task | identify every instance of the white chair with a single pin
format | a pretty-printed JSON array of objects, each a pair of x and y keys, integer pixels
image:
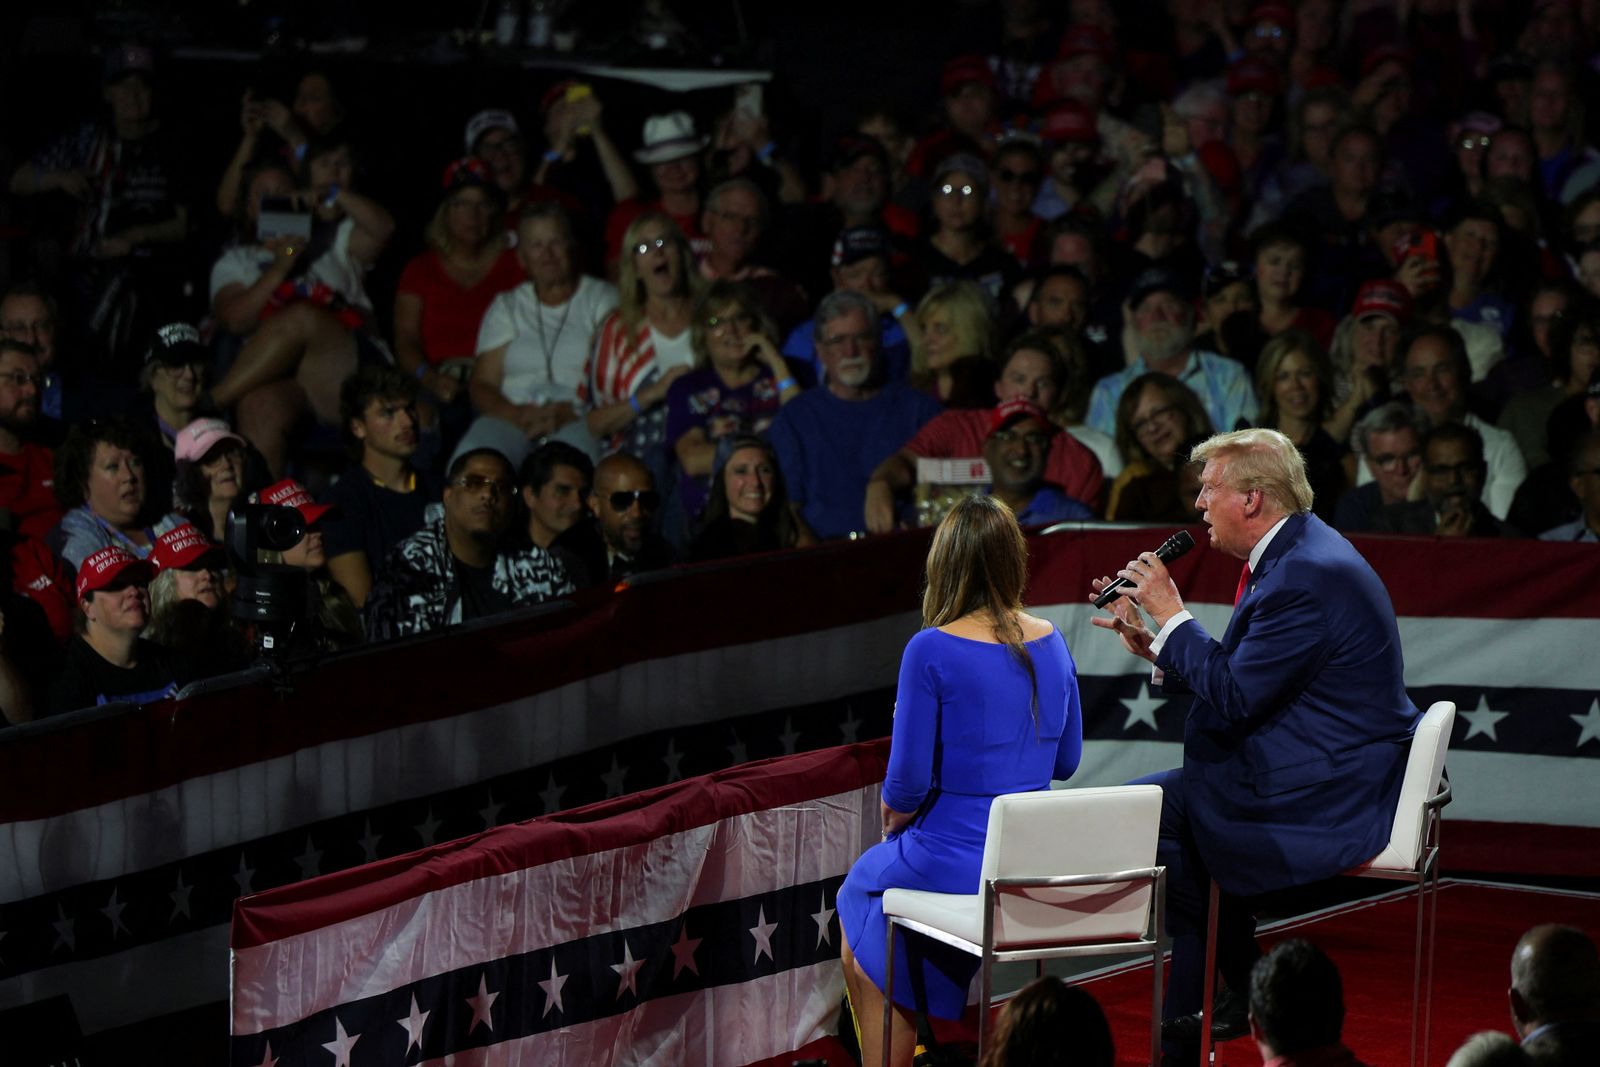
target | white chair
[
  {"x": 1065, "y": 872},
  {"x": 1412, "y": 855}
]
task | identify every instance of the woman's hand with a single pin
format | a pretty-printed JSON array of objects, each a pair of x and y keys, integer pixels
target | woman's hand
[
  {"x": 895, "y": 821},
  {"x": 1419, "y": 274},
  {"x": 443, "y": 386},
  {"x": 767, "y": 354}
]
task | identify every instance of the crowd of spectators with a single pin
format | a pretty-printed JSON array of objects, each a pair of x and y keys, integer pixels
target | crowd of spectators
[{"x": 1103, "y": 233}]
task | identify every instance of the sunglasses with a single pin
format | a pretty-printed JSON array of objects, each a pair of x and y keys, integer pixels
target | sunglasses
[{"x": 623, "y": 499}]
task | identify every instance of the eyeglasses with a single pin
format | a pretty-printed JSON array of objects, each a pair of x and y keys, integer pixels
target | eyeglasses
[
  {"x": 1268, "y": 32},
  {"x": 1388, "y": 461},
  {"x": 721, "y": 324},
  {"x": 1029, "y": 177},
  {"x": 644, "y": 248},
  {"x": 477, "y": 483},
  {"x": 623, "y": 499},
  {"x": 947, "y": 190},
  {"x": 1469, "y": 141},
  {"x": 19, "y": 378},
  {"x": 1150, "y": 421}
]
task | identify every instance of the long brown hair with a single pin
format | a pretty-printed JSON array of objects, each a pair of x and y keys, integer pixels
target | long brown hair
[{"x": 979, "y": 562}]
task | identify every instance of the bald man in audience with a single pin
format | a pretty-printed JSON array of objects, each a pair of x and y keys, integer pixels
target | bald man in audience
[{"x": 1555, "y": 996}]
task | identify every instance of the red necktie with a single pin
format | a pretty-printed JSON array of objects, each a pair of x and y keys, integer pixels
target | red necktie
[{"x": 1244, "y": 583}]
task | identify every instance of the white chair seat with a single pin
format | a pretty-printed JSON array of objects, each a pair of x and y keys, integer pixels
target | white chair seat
[{"x": 1046, "y": 891}]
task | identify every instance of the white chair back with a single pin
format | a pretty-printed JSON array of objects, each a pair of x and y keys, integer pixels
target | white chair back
[
  {"x": 1056, "y": 832},
  {"x": 1424, "y": 768}
]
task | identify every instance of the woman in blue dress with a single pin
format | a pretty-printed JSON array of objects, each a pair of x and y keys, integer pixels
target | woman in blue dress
[{"x": 987, "y": 704}]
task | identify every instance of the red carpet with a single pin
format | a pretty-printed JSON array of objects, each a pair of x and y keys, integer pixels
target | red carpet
[{"x": 1371, "y": 942}]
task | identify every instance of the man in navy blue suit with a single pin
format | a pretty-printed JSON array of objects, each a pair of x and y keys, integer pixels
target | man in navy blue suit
[{"x": 1296, "y": 743}]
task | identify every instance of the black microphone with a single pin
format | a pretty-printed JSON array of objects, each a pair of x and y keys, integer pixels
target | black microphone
[{"x": 1170, "y": 549}]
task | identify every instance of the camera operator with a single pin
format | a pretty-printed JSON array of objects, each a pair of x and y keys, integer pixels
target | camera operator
[
  {"x": 336, "y": 622},
  {"x": 108, "y": 661},
  {"x": 460, "y": 568}
]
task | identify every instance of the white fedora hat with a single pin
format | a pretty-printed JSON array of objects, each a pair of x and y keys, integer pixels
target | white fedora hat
[{"x": 669, "y": 136}]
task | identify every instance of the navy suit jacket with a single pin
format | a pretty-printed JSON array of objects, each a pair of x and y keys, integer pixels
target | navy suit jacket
[{"x": 1294, "y": 749}]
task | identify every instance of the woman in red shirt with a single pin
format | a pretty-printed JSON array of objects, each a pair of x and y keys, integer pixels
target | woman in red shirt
[{"x": 445, "y": 290}]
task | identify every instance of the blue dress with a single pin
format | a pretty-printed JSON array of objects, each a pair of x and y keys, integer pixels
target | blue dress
[{"x": 963, "y": 734}]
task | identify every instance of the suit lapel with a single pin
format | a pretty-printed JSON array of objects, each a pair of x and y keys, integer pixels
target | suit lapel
[{"x": 1238, "y": 623}]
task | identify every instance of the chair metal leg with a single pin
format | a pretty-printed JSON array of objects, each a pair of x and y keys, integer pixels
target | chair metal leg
[
  {"x": 1433, "y": 941},
  {"x": 888, "y": 994},
  {"x": 1208, "y": 1000},
  {"x": 1416, "y": 963},
  {"x": 1158, "y": 934}
]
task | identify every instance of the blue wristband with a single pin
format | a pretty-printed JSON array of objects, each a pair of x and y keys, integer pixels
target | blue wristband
[
  {"x": 422, "y": 368},
  {"x": 552, "y": 156},
  {"x": 787, "y": 383},
  {"x": 767, "y": 151},
  {"x": 633, "y": 402},
  {"x": 900, "y": 309}
]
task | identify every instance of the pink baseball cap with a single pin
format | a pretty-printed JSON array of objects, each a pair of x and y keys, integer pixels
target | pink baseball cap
[
  {"x": 291, "y": 494},
  {"x": 102, "y": 568},
  {"x": 200, "y": 436}
]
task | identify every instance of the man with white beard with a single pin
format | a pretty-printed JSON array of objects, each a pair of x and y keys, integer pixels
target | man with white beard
[
  {"x": 830, "y": 439},
  {"x": 1159, "y": 336}
]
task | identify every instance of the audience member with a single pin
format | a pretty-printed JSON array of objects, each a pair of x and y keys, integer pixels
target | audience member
[
  {"x": 831, "y": 439},
  {"x": 299, "y": 303},
  {"x": 645, "y": 345},
  {"x": 734, "y": 221},
  {"x": 1278, "y": 254},
  {"x": 1018, "y": 168},
  {"x": 445, "y": 290},
  {"x": 623, "y": 540},
  {"x": 1555, "y": 996},
  {"x": 1050, "y": 1024},
  {"x": 493, "y": 136},
  {"x": 458, "y": 568},
  {"x": 1031, "y": 372},
  {"x": 671, "y": 150},
  {"x": 213, "y": 470},
  {"x": 101, "y": 487},
  {"x": 1230, "y": 313},
  {"x": 1365, "y": 353},
  {"x": 860, "y": 262},
  {"x": 1161, "y": 313},
  {"x": 1294, "y": 381},
  {"x": 1297, "y": 1008},
  {"x": 27, "y": 504},
  {"x": 555, "y": 489},
  {"x": 1573, "y": 343},
  {"x": 1490, "y": 1048},
  {"x": 1388, "y": 440},
  {"x": 1585, "y": 481},
  {"x": 108, "y": 661},
  {"x": 1019, "y": 439},
  {"x": 176, "y": 365},
  {"x": 334, "y": 621},
  {"x": 960, "y": 246},
  {"x": 953, "y": 340},
  {"x": 28, "y": 316},
  {"x": 748, "y": 510},
  {"x": 382, "y": 498},
  {"x": 1453, "y": 472},
  {"x": 582, "y": 162},
  {"x": 534, "y": 340},
  {"x": 1158, "y": 417},
  {"x": 189, "y": 603},
  {"x": 1436, "y": 376}
]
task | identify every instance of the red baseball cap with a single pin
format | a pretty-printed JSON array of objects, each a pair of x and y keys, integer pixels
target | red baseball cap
[
  {"x": 963, "y": 70},
  {"x": 1382, "y": 296},
  {"x": 107, "y": 565},
  {"x": 181, "y": 547},
  {"x": 291, "y": 494},
  {"x": 1069, "y": 122},
  {"x": 1017, "y": 408},
  {"x": 1277, "y": 14},
  {"x": 1385, "y": 53}
]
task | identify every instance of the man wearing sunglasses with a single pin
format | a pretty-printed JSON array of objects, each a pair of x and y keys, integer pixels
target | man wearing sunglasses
[
  {"x": 461, "y": 567},
  {"x": 624, "y": 501}
]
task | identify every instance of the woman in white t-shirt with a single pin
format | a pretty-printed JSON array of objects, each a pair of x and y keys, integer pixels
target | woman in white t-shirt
[
  {"x": 300, "y": 303},
  {"x": 535, "y": 339}
]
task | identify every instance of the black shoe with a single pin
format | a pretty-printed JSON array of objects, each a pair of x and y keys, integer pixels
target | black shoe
[{"x": 1231, "y": 1020}]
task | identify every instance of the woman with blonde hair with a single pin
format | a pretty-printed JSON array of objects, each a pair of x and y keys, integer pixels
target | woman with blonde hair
[
  {"x": 953, "y": 346},
  {"x": 1294, "y": 382},
  {"x": 997, "y": 690}
]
